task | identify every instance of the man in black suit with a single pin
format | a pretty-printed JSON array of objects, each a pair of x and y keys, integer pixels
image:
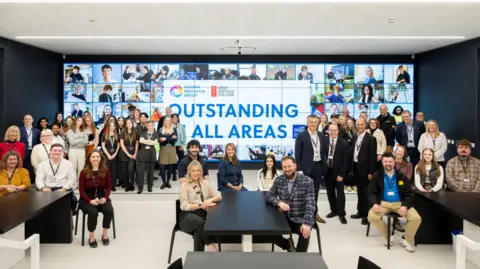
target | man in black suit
[
  {"x": 311, "y": 159},
  {"x": 387, "y": 125},
  {"x": 30, "y": 137},
  {"x": 338, "y": 161},
  {"x": 408, "y": 134},
  {"x": 77, "y": 112},
  {"x": 364, "y": 163}
]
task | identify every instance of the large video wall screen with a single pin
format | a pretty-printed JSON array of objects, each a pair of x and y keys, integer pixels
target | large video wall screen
[{"x": 259, "y": 107}]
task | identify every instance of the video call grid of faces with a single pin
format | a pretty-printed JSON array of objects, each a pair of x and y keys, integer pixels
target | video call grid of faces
[{"x": 359, "y": 87}]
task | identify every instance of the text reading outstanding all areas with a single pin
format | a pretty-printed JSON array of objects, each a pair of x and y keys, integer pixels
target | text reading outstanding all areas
[{"x": 238, "y": 111}]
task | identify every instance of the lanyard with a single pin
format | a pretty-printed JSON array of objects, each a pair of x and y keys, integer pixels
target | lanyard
[
  {"x": 58, "y": 167},
  {"x": 14, "y": 146},
  {"x": 112, "y": 141},
  {"x": 332, "y": 147},
  {"x": 358, "y": 145},
  {"x": 130, "y": 138},
  {"x": 465, "y": 166},
  {"x": 29, "y": 134},
  {"x": 11, "y": 176},
  {"x": 199, "y": 192},
  {"x": 390, "y": 182},
  {"x": 95, "y": 184},
  {"x": 433, "y": 141},
  {"x": 48, "y": 153},
  {"x": 315, "y": 143},
  {"x": 410, "y": 130},
  {"x": 149, "y": 136}
]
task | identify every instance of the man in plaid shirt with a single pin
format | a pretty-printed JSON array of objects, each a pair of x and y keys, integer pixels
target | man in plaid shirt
[
  {"x": 294, "y": 194},
  {"x": 463, "y": 171}
]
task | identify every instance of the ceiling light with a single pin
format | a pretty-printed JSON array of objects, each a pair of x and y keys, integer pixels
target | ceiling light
[
  {"x": 240, "y": 37},
  {"x": 236, "y": 1}
]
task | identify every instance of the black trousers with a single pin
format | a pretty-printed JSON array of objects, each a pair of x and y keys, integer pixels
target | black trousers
[
  {"x": 112, "y": 164},
  {"x": 141, "y": 167},
  {"x": 168, "y": 170},
  {"x": 190, "y": 222},
  {"x": 317, "y": 175},
  {"x": 414, "y": 156},
  {"x": 127, "y": 173},
  {"x": 335, "y": 193},
  {"x": 180, "y": 155},
  {"x": 362, "y": 189},
  {"x": 302, "y": 244},
  {"x": 27, "y": 164},
  {"x": 92, "y": 212}
]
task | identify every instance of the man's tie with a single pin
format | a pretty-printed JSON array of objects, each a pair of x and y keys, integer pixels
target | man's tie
[{"x": 330, "y": 153}]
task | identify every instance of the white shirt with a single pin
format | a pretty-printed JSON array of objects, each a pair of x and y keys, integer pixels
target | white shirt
[
  {"x": 29, "y": 137},
  {"x": 316, "y": 146},
  {"x": 439, "y": 145},
  {"x": 330, "y": 154},
  {"x": 58, "y": 139},
  {"x": 64, "y": 177},
  {"x": 40, "y": 153},
  {"x": 358, "y": 145}
]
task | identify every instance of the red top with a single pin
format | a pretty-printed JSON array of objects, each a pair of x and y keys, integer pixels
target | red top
[
  {"x": 16, "y": 146},
  {"x": 87, "y": 189}
]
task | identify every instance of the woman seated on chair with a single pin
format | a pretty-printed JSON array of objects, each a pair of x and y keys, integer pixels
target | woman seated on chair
[
  {"x": 267, "y": 174},
  {"x": 230, "y": 176},
  {"x": 95, "y": 187},
  {"x": 13, "y": 177},
  {"x": 196, "y": 196},
  {"x": 428, "y": 173}
]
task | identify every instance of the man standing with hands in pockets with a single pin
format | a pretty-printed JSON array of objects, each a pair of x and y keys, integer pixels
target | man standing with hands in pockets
[{"x": 293, "y": 193}]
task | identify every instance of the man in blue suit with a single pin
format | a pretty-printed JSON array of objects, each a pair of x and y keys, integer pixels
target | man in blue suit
[
  {"x": 408, "y": 134},
  {"x": 311, "y": 158},
  {"x": 30, "y": 137}
]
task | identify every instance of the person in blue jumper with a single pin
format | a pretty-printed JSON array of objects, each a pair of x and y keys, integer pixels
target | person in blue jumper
[{"x": 230, "y": 176}]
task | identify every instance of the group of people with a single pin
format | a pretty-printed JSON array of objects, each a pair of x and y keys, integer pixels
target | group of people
[{"x": 380, "y": 159}]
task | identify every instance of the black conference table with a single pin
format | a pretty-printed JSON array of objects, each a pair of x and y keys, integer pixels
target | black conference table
[
  {"x": 245, "y": 213},
  {"x": 45, "y": 213},
  {"x": 263, "y": 260},
  {"x": 442, "y": 212}
]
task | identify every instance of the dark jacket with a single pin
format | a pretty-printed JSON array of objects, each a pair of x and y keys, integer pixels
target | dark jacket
[
  {"x": 376, "y": 187},
  {"x": 341, "y": 157},
  {"x": 228, "y": 173},
  {"x": 170, "y": 140},
  {"x": 183, "y": 164},
  {"x": 304, "y": 151},
  {"x": 401, "y": 133},
  {"x": 387, "y": 125},
  {"x": 367, "y": 156},
  {"x": 24, "y": 137},
  {"x": 147, "y": 153}
]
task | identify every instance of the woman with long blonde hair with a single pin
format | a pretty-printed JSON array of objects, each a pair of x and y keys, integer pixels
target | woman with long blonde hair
[
  {"x": 435, "y": 140},
  {"x": 12, "y": 142},
  {"x": 196, "y": 196},
  {"x": 167, "y": 136},
  {"x": 110, "y": 147}
]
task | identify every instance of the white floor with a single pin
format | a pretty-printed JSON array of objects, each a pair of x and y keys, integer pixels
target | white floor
[{"x": 144, "y": 224}]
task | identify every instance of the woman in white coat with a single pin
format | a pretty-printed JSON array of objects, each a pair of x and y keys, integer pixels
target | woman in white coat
[{"x": 435, "y": 140}]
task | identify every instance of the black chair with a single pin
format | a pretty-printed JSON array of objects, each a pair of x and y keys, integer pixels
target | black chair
[
  {"x": 364, "y": 263},
  {"x": 315, "y": 226},
  {"x": 391, "y": 219},
  {"x": 176, "y": 264},
  {"x": 83, "y": 224},
  {"x": 176, "y": 229}
]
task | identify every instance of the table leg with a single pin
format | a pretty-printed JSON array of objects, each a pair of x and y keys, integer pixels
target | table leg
[
  {"x": 472, "y": 231},
  {"x": 247, "y": 243}
]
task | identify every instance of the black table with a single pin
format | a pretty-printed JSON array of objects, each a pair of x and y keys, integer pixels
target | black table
[
  {"x": 245, "y": 213},
  {"x": 443, "y": 212},
  {"x": 263, "y": 260},
  {"x": 45, "y": 213}
]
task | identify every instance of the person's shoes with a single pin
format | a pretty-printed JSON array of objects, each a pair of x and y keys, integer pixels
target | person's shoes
[
  {"x": 399, "y": 227},
  {"x": 174, "y": 176},
  {"x": 356, "y": 216},
  {"x": 118, "y": 184},
  {"x": 163, "y": 186},
  {"x": 105, "y": 241},
  {"x": 291, "y": 245},
  {"x": 169, "y": 186},
  {"x": 408, "y": 246},
  {"x": 348, "y": 188},
  {"x": 343, "y": 220},
  {"x": 150, "y": 190},
  {"x": 93, "y": 244},
  {"x": 365, "y": 221},
  {"x": 331, "y": 215},
  {"x": 392, "y": 240},
  {"x": 127, "y": 189},
  {"x": 114, "y": 189},
  {"x": 132, "y": 188},
  {"x": 354, "y": 188},
  {"x": 139, "y": 191},
  {"x": 319, "y": 219}
]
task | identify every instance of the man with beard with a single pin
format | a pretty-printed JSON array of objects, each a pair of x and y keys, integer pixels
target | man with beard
[
  {"x": 193, "y": 147},
  {"x": 463, "y": 171},
  {"x": 390, "y": 191},
  {"x": 293, "y": 193}
]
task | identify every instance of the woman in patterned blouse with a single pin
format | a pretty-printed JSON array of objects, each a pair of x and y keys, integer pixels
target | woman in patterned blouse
[{"x": 196, "y": 196}]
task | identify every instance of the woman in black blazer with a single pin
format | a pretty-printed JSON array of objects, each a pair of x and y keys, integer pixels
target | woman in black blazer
[{"x": 146, "y": 157}]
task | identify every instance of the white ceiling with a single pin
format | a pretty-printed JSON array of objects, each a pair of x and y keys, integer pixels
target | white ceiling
[{"x": 239, "y": 19}]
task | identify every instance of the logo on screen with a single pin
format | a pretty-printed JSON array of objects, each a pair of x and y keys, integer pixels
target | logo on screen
[
  {"x": 214, "y": 91},
  {"x": 297, "y": 129},
  {"x": 176, "y": 91}
]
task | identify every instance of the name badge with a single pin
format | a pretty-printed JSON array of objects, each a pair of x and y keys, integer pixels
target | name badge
[
  {"x": 112, "y": 151},
  {"x": 131, "y": 149},
  {"x": 391, "y": 193},
  {"x": 147, "y": 147},
  {"x": 466, "y": 180},
  {"x": 53, "y": 180},
  {"x": 330, "y": 157}
]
